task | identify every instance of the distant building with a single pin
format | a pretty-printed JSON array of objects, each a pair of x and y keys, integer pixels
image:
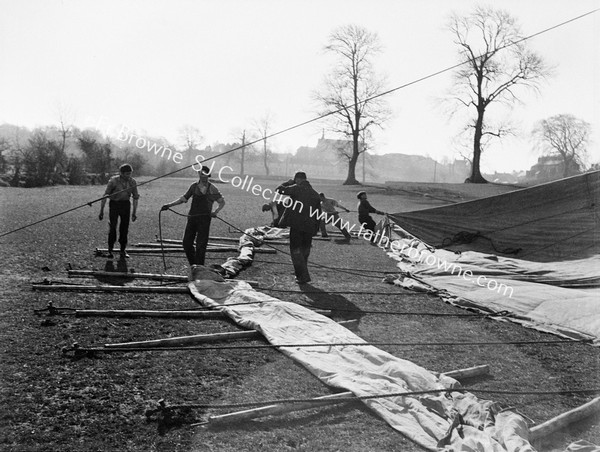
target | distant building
[
  {"x": 326, "y": 149},
  {"x": 550, "y": 167},
  {"x": 324, "y": 160}
]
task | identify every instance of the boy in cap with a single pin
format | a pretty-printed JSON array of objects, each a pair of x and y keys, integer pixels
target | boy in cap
[
  {"x": 197, "y": 229},
  {"x": 364, "y": 209},
  {"x": 119, "y": 189},
  {"x": 332, "y": 216}
]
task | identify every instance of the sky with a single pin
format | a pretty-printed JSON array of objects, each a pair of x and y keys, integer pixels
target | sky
[{"x": 155, "y": 66}]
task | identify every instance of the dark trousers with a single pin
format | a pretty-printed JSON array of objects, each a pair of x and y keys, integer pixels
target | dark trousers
[
  {"x": 333, "y": 218},
  {"x": 300, "y": 244},
  {"x": 197, "y": 230},
  {"x": 118, "y": 210},
  {"x": 369, "y": 224}
]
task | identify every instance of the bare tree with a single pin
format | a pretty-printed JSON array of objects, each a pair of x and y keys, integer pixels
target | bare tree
[
  {"x": 263, "y": 126},
  {"x": 190, "y": 137},
  {"x": 243, "y": 152},
  {"x": 65, "y": 120},
  {"x": 350, "y": 91},
  {"x": 565, "y": 136},
  {"x": 497, "y": 63}
]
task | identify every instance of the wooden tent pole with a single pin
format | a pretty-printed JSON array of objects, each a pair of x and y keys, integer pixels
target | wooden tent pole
[
  {"x": 564, "y": 419},
  {"x": 158, "y": 276},
  {"x": 137, "y": 313},
  {"x": 81, "y": 288},
  {"x": 187, "y": 340},
  {"x": 469, "y": 372},
  {"x": 174, "y": 245},
  {"x": 200, "y": 338},
  {"x": 318, "y": 401},
  {"x": 217, "y": 249},
  {"x": 227, "y": 239},
  {"x": 134, "y": 313},
  {"x": 107, "y": 288}
]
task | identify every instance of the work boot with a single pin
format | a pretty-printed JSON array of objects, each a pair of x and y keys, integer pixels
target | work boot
[
  {"x": 300, "y": 269},
  {"x": 302, "y": 281}
]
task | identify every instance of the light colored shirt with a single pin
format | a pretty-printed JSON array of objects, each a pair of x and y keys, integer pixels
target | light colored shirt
[
  {"x": 120, "y": 189},
  {"x": 329, "y": 205}
]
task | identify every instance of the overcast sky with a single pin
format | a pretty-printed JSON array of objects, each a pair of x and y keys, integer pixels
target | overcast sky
[{"x": 220, "y": 65}]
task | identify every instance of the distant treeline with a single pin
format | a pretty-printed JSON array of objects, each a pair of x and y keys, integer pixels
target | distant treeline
[{"x": 70, "y": 156}]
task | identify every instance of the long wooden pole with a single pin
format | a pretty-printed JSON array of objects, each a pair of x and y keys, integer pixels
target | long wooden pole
[
  {"x": 137, "y": 313},
  {"x": 565, "y": 419},
  {"x": 178, "y": 246},
  {"x": 200, "y": 338},
  {"x": 156, "y": 276},
  {"x": 188, "y": 340},
  {"x": 134, "y": 313},
  {"x": 319, "y": 401},
  {"x": 229, "y": 239},
  {"x": 217, "y": 249},
  {"x": 83, "y": 288}
]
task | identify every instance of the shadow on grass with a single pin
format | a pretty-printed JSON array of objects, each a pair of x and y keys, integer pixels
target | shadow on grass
[
  {"x": 340, "y": 307},
  {"x": 121, "y": 267}
]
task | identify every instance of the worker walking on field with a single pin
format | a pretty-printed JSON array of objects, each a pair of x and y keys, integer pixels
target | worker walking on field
[
  {"x": 119, "y": 189},
  {"x": 331, "y": 216},
  {"x": 203, "y": 194},
  {"x": 303, "y": 225}
]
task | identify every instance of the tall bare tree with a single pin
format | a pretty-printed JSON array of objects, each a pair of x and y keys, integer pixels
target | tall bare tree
[
  {"x": 497, "y": 64},
  {"x": 243, "y": 152},
  {"x": 65, "y": 120},
  {"x": 263, "y": 127},
  {"x": 190, "y": 137},
  {"x": 565, "y": 136},
  {"x": 350, "y": 90}
]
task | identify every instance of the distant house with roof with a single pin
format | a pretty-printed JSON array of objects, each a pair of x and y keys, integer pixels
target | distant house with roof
[
  {"x": 550, "y": 167},
  {"x": 324, "y": 160}
]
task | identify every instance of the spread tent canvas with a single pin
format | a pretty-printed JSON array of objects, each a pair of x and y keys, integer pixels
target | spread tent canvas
[
  {"x": 532, "y": 255},
  {"x": 551, "y": 222}
]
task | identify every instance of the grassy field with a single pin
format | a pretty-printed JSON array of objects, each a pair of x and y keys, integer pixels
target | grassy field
[{"x": 53, "y": 403}]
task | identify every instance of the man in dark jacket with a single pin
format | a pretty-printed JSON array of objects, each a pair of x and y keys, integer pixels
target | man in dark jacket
[{"x": 301, "y": 217}]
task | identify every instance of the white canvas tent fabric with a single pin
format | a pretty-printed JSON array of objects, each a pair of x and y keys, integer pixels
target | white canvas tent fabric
[
  {"x": 251, "y": 238},
  {"x": 559, "y": 297},
  {"x": 365, "y": 370}
]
